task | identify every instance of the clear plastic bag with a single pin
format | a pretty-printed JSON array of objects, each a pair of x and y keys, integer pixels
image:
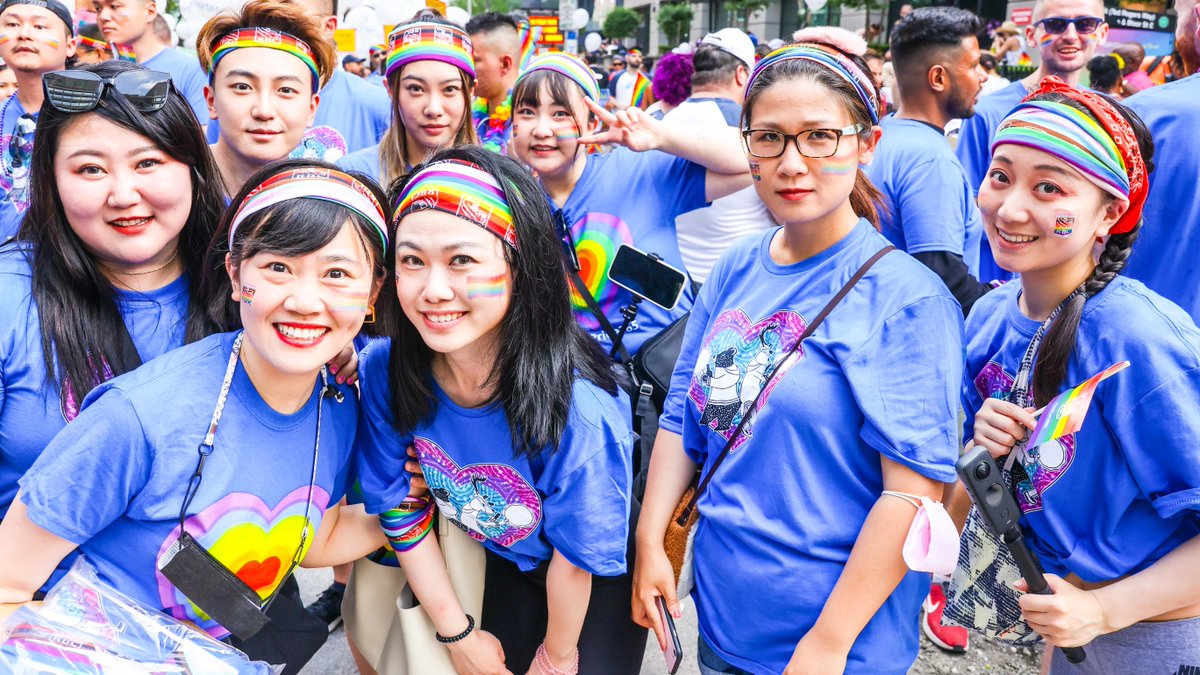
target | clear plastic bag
[{"x": 86, "y": 626}]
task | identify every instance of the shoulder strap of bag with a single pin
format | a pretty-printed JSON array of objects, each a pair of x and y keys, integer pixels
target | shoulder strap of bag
[
  {"x": 737, "y": 432},
  {"x": 605, "y": 324}
]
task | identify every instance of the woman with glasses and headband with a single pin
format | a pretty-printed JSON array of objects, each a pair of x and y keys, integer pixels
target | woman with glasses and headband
[
  {"x": 266, "y": 64},
  {"x": 521, "y": 430},
  {"x": 629, "y": 196},
  {"x": 35, "y": 38},
  {"x": 431, "y": 76},
  {"x": 232, "y": 450},
  {"x": 801, "y": 495},
  {"x": 125, "y": 199}
]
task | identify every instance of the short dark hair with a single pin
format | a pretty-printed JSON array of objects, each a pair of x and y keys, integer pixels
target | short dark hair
[
  {"x": 713, "y": 65},
  {"x": 927, "y": 30},
  {"x": 486, "y": 23},
  {"x": 987, "y": 61}
]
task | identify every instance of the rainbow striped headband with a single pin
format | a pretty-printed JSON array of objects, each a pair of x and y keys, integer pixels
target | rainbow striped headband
[
  {"x": 93, "y": 43},
  {"x": 429, "y": 41},
  {"x": 268, "y": 38},
  {"x": 832, "y": 59},
  {"x": 1070, "y": 135},
  {"x": 568, "y": 66},
  {"x": 461, "y": 189},
  {"x": 313, "y": 183}
]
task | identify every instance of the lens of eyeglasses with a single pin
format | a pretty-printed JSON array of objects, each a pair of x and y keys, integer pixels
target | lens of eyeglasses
[
  {"x": 1087, "y": 24},
  {"x": 146, "y": 90},
  {"x": 73, "y": 91},
  {"x": 1083, "y": 24},
  {"x": 815, "y": 143}
]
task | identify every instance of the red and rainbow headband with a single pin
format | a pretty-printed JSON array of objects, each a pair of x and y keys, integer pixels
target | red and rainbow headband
[
  {"x": 326, "y": 185},
  {"x": 832, "y": 59},
  {"x": 429, "y": 41},
  {"x": 267, "y": 38},
  {"x": 461, "y": 189}
]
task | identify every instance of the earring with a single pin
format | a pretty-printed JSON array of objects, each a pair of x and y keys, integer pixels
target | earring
[{"x": 370, "y": 317}]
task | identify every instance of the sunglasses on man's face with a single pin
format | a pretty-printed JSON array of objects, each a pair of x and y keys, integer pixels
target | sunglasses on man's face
[
  {"x": 1084, "y": 25},
  {"x": 77, "y": 91}
]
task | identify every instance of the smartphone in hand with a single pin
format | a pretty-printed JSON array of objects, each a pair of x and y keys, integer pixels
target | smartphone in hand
[{"x": 673, "y": 654}]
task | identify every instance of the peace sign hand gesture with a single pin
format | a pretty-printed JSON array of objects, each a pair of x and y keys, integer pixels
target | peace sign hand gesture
[{"x": 630, "y": 127}]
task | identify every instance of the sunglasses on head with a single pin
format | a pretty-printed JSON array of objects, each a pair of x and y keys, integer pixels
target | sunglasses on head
[
  {"x": 77, "y": 91},
  {"x": 1057, "y": 25}
]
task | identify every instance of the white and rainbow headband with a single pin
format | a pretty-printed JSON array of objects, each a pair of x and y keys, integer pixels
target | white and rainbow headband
[
  {"x": 568, "y": 66},
  {"x": 266, "y": 38},
  {"x": 430, "y": 41},
  {"x": 326, "y": 185},
  {"x": 830, "y": 58},
  {"x": 461, "y": 189}
]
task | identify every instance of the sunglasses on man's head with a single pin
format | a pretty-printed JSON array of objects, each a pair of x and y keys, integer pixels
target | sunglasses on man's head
[
  {"x": 77, "y": 91},
  {"x": 1057, "y": 25}
]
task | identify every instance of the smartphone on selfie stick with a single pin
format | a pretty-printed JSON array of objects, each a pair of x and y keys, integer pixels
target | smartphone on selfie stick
[
  {"x": 995, "y": 503},
  {"x": 647, "y": 277},
  {"x": 673, "y": 653}
]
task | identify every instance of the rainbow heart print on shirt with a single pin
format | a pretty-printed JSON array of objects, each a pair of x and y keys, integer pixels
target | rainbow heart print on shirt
[
  {"x": 597, "y": 237},
  {"x": 252, "y": 540},
  {"x": 733, "y": 365},
  {"x": 487, "y": 501}
]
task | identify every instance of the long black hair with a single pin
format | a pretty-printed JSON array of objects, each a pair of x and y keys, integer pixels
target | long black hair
[
  {"x": 294, "y": 227},
  {"x": 81, "y": 325},
  {"x": 1059, "y": 343},
  {"x": 541, "y": 349}
]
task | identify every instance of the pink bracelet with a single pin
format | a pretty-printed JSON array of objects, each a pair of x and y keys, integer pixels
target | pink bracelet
[{"x": 542, "y": 659}]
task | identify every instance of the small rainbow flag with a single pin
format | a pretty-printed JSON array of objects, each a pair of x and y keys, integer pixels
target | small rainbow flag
[
  {"x": 1064, "y": 415},
  {"x": 125, "y": 53},
  {"x": 641, "y": 90},
  {"x": 529, "y": 39}
]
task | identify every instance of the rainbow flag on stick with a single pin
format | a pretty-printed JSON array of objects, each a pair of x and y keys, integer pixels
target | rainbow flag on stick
[
  {"x": 641, "y": 90},
  {"x": 1064, "y": 414},
  {"x": 529, "y": 38}
]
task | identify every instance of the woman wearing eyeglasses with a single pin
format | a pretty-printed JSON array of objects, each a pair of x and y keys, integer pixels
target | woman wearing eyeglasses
[
  {"x": 233, "y": 448},
  {"x": 431, "y": 76},
  {"x": 800, "y": 495}
]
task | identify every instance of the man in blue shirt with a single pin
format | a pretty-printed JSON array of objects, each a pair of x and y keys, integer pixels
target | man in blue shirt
[
  {"x": 496, "y": 42},
  {"x": 931, "y": 210},
  {"x": 131, "y": 22},
  {"x": 1163, "y": 258},
  {"x": 1064, "y": 54}
]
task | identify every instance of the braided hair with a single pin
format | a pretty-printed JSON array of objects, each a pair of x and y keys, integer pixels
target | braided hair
[{"x": 1059, "y": 343}]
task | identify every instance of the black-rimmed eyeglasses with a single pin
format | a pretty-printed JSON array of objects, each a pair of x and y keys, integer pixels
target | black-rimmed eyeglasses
[{"x": 812, "y": 143}]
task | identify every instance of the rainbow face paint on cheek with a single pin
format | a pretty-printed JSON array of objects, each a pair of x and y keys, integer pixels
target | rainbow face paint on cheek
[
  {"x": 755, "y": 172},
  {"x": 839, "y": 168},
  {"x": 1064, "y": 223},
  {"x": 351, "y": 301},
  {"x": 248, "y": 294},
  {"x": 4, "y": 37},
  {"x": 54, "y": 44},
  {"x": 1046, "y": 39},
  {"x": 486, "y": 287},
  {"x": 566, "y": 135}
]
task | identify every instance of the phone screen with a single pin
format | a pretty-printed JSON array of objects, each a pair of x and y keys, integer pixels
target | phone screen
[
  {"x": 647, "y": 277},
  {"x": 673, "y": 654}
]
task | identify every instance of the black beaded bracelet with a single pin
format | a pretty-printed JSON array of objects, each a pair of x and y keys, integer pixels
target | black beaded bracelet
[{"x": 460, "y": 636}]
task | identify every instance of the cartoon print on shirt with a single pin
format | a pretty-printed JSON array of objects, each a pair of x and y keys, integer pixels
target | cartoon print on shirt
[
  {"x": 487, "y": 501},
  {"x": 1041, "y": 466},
  {"x": 733, "y": 365}
]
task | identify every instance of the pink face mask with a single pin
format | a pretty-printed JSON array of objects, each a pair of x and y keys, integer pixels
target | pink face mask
[{"x": 932, "y": 542}]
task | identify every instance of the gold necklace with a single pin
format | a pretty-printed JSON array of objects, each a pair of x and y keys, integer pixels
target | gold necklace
[{"x": 156, "y": 269}]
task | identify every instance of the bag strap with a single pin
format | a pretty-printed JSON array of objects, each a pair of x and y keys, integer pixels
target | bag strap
[
  {"x": 571, "y": 263},
  {"x": 737, "y": 432}
]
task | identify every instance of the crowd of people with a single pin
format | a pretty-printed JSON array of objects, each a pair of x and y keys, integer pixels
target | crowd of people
[{"x": 409, "y": 262}]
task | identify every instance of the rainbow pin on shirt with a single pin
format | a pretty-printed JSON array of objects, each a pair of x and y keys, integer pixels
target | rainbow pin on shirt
[{"x": 1064, "y": 414}]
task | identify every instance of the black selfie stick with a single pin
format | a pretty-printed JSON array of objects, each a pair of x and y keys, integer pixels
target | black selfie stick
[
  {"x": 629, "y": 312},
  {"x": 999, "y": 511}
]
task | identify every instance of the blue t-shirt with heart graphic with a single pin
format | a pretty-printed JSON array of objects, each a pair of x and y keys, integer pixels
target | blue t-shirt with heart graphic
[
  {"x": 573, "y": 499},
  {"x": 878, "y": 379},
  {"x": 1123, "y": 491},
  {"x": 113, "y": 480}
]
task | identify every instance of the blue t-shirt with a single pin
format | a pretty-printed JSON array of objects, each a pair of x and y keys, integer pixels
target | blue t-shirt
[
  {"x": 1163, "y": 255},
  {"x": 879, "y": 378},
  {"x": 1123, "y": 491},
  {"x": 132, "y": 449},
  {"x": 365, "y": 161},
  {"x": 14, "y": 172},
  {"x": 187, "y": 76},
  {"x": 931, "y": 206},
  {"x": 974, "y": 150},
  {"x": 626, "y": 197},
  {"x": 573, "y": 499},
  {"x": 31, "y": 411}
]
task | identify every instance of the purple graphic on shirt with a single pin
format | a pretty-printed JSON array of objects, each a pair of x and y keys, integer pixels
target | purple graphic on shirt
[
  {"x": 487, "y": 501},
  {"x": 734, "y": 363}
]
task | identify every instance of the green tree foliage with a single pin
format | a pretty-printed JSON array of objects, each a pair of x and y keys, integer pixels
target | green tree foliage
[
  {"x": 482, "y": 6},
  {"x": 675, "y": 19},
  {"x": 620, "y": 23},
  {"x": 740, "y": 11}
]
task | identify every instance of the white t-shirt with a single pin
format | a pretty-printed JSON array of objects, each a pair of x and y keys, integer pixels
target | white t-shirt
[
  {"x": 705, "y": 233},
  {"x": 625, "y": 88}
]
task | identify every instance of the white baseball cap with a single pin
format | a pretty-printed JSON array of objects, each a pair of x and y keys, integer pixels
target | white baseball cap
[{"x": 733, "y": 41}]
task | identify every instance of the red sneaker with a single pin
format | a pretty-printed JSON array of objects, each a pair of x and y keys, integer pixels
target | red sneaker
[{"x": 947, "y": 638}]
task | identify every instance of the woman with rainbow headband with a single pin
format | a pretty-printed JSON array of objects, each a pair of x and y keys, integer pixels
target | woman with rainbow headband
[
  {"x": 266, "y": 64},
  {"x": 521, "y": 430},
  {"x": 819, "y": 486},
  {"x": 628, "y": 196},
  {"x": 431, "y": 76},
  {"x": 1111, "y": 510},
  {"x": 250, "y": 455}
]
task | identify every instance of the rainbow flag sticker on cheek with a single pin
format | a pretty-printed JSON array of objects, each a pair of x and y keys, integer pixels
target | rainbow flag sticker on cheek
[
  {"x": 1064, "y": 414},
  {"x": 486, "y": 287}
]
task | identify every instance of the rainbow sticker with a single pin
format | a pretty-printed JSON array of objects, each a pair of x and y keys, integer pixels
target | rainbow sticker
[{"x": 597, "y": 237}]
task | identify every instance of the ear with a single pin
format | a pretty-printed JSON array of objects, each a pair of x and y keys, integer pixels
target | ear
[
  {"x": 866, "y": 147},
  {"x": 151, "y": 10},
  {"x": 1112, "y": 213},
  {"x": 329, "y": 26},
  {"x": 938, "y": 79},
  {"x": 1031, "y": 35},
  {"x": 507, "y": 64},
  {"x": 210, "y": 98},
  {"x": 312, "y": 110},
  {"x": 234, "y": 279},
  {"x": 740, "y": 75},
  {"x": 72, "y": 45},
  {"x": 1102, "y": 34},
  {"x": 377, "y": 286}
]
